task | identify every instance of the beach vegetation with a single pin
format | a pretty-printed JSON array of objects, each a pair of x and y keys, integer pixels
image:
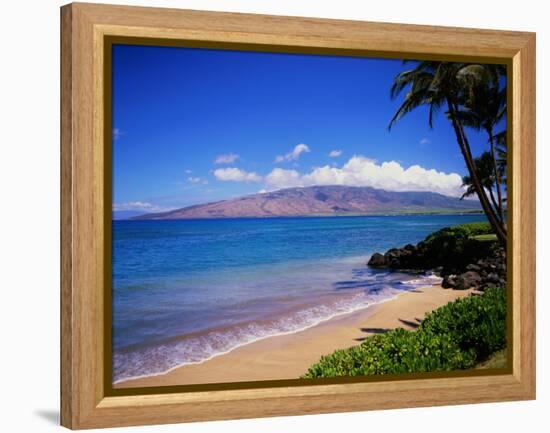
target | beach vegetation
[
  {"x": 450, "y": 250},
  {"x": 459, "y": 335},
  {"x": 459, "y": 245}
]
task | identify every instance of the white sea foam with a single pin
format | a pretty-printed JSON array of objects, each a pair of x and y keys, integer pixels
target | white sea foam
[
  {"x": 195, "y": 349},
  {"x": 424, "y": 280}
]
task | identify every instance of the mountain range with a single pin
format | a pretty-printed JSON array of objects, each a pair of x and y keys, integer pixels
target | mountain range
[{"x": 322, "y": 201}]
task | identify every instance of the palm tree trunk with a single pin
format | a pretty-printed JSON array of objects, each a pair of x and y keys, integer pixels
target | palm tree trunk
[
  {"x": 497, "y": 225},
  {"x": 497, "y": 176},
  {"x": 493, "y": 200},
  {"x": 500, "y": 231}
]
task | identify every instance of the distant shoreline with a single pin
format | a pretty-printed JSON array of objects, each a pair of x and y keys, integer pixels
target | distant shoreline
[
  {"x": 320, "y": 200},
  {"x": 423, "y": 213}
]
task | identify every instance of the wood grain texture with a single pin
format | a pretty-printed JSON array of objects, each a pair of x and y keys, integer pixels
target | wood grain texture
[
  {"x": 84, "y": 403},
  {"x": 67, "y": 393},
  {"x": 524, "y": 238}
]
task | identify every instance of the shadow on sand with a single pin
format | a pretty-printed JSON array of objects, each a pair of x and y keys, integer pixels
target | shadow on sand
[{"x": 411, "y": 324}]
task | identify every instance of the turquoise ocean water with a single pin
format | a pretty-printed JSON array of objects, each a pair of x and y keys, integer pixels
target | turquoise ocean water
[{"x": 185, "y": 291}]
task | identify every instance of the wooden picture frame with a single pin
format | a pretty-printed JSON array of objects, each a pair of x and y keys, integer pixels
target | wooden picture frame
[{"x": 86, "y": 30}]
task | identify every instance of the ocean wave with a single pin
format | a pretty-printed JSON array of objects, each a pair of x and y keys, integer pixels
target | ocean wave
[
  {"x": 427, "y": 279},
  {"x": 362, "y": 288},
  {"x": 194, "y": 349}
]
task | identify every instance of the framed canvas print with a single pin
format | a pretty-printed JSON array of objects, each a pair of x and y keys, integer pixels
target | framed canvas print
[{"x": 271, "y": 216}]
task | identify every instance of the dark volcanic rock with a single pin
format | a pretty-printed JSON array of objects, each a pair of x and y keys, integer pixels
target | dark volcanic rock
[
  {"x": 449, "y": 281},
  {"x": 377, "y": 260},
  {"x": 493, "y": 278},
  {"x": 462, "y": 262},
  {"x": 393, "y": 258},
  {"x": 407, "y": 258},
  {"x": 467, "y": 280}
]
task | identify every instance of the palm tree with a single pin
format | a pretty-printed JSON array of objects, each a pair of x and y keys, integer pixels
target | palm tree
[
  {"x": 484, "y": 107},
  {"x": 502, "y": 156},
  {"x": 485, "y": 171},
  {"x": 436, "y": 85}
]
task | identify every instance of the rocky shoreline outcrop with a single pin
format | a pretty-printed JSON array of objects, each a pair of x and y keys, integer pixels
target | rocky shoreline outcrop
[
  {"x": 462, "y": 265},
  {"x": 484, "y": 273}
]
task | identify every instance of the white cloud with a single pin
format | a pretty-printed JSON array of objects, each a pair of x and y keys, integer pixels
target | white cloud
[
  {"x": 335, "y": 153},
  {"x": 197, "y": 180},
  {"x": 236, "y": 175},
  {"x": 117, "y": 133},
  {"x": 138, "y": 206},
  {"x": 294, "y": 154},
  {"x": 229, "y": 158},
  {"x": 424, "y": 141},
  {"x": 188, "y": 171},
  {"x": 281, "y": 178},
  {"x": 361, "y": 171}
]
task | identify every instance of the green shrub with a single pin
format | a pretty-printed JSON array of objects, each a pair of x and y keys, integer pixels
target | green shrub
[
  {"x": 398, "y": 351},
  {"x": 455, "y": 336},
  {"x": 467, "y": 229},
  {"x": 457, "y": 246},
  {"x": 475, "y": 323}
]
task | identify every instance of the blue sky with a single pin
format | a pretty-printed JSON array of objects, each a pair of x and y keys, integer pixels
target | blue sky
[{"x": 192, "y": 126}]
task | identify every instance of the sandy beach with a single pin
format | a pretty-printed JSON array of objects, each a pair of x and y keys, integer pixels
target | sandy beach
[{"x": 289, "y": 356}]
